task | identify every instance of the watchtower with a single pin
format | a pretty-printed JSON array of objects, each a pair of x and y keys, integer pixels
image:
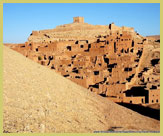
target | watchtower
[{"x": 78, "y": 20}]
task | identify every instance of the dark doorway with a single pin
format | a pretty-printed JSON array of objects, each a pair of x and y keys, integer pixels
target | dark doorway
[
  {"x": 115, "y": 47},
  {"x": 69, "y": 48}
]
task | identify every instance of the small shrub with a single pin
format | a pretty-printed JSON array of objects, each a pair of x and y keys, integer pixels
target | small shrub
[{"x": 39, "y": 58}]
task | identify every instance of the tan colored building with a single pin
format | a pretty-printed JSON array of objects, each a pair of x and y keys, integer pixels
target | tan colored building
[{"x": 103, "y": 59}]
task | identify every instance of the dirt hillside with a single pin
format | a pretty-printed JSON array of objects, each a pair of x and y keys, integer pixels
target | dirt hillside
[
  {"x": 153, "y": 37},
  {"x": 36, "y": 99}
]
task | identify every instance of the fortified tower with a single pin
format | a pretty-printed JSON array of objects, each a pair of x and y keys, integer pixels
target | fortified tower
[{"x": 78, "y": 19}]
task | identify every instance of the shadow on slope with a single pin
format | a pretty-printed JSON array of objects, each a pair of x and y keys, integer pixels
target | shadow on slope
[{"x": 146, "y": 111}]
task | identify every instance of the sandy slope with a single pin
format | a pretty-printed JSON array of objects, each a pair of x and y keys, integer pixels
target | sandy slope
[{"x": 36, "y": 99}]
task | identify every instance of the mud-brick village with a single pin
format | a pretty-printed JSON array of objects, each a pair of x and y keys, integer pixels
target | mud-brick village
[{"x": 80, "y": 77}]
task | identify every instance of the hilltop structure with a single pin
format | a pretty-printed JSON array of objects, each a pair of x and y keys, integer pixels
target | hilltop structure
[
  {"x": 78, "y": 20},
  {"x": 112, "y": 61}
]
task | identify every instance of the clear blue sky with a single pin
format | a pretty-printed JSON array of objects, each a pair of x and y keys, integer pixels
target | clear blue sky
[{"x": 20, "y": 19}]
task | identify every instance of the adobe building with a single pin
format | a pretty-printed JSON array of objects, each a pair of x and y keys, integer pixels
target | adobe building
[
  {"x": 108, "y": 60},
  {"x": 78, "y": 19}
]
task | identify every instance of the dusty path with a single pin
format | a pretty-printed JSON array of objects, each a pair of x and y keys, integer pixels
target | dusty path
[{"x": 36, "y": 99}]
